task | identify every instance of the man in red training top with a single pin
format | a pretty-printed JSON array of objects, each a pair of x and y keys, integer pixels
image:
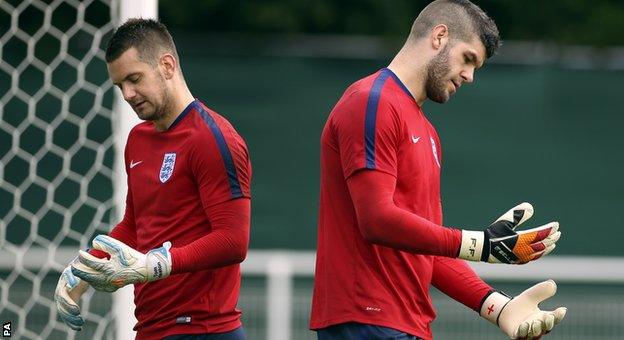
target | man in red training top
[
  {"x": 381, "y": 241},
  {"x": 186, "y": 224}
]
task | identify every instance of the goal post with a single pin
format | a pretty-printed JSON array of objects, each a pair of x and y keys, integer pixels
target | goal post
[{"x": 123, "y": 121}]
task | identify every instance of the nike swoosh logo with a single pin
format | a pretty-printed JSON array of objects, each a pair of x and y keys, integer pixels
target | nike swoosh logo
[
  {"x": 415, "y": 139},
  {"x": 133, "y": 164}
]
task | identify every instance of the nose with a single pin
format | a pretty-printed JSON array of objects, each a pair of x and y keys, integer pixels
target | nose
[
  {"x": 467, "y": 75},
  {"x": 128, "y": 93}
]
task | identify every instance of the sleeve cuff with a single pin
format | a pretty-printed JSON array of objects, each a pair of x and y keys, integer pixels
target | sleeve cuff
[{"x": 100, "y": 254}]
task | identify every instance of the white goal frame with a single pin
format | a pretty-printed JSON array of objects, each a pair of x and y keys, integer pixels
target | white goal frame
[{"x": 123, "y": 120}]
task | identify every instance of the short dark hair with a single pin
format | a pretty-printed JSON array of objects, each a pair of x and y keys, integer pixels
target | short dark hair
[
  {"x": 150, "y": 37},
  {"x": 464, "y": 20}
]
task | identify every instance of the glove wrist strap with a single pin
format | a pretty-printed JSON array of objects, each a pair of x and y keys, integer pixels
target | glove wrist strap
[
  {"x": 159, "y": 262},
  {"x": 471, "y": 245},
  {"x": 493, "y": 306}
]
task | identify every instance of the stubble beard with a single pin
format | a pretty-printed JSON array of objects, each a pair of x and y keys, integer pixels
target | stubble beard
[
  {"x": 160, "y": 111},
  {"x": 437, "y": 74}
]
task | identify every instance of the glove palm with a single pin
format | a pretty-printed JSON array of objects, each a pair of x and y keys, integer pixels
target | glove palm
[{"x": 521, "y": 317}]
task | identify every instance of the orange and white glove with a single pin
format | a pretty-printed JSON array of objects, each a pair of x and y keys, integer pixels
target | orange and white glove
[
  {"x": 501, "y": 243},
  {"x": 520, "y": 317}
]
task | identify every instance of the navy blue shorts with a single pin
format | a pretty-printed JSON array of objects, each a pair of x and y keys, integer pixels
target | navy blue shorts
[
  {"x": 360, "y": 331},
  {"x": 237, "y": 334}
]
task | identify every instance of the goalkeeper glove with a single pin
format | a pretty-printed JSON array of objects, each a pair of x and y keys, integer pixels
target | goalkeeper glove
[
  {"x": 68, "y": 291},
  {"x": 520, "y": 317},
  {"x": 500, "y": 243},
  {"x": 126, "y": 265}
]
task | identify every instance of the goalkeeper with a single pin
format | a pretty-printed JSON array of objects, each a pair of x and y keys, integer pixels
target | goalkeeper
[
  {"x": 381, "y": 242},
  {"x": 186, "y": 223}
]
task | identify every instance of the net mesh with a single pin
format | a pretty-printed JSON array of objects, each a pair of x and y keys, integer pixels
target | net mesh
[{"x": 56, "y": 155}]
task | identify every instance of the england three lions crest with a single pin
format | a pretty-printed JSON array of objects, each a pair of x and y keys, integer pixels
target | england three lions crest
[{"x": 166, "y": 170}]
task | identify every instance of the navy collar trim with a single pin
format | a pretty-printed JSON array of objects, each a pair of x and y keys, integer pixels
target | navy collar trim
[
  {"x": 398, "y": 81},
  {"x": 195, "y": 104}
]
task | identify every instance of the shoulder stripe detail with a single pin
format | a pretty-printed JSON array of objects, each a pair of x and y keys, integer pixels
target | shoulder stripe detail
[
  {"x": 398, "y": 81},
  {"x": 193, "y": 105},
  {"x": 224, "y": 150},
  {"x": 371, "y": 118}
]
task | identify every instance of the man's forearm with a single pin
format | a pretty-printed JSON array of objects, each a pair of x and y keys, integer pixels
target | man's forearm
[
  {"x": 225, "y": 245},
  {"x": 382, "y": 222}
]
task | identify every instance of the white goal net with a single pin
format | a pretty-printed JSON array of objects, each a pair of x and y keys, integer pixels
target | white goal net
[{"x": 57, "y": 153}]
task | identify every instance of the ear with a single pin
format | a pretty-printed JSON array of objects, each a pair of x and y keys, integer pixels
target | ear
[
  {"x": 439, "y": 36},
  {"x": 168, "y": 65}
]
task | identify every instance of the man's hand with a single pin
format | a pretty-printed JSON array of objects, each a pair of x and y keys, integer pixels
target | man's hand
[
  {"x": 520, "y": 317},
  {"x": 500, "y": 243},
  {"x": 126, "y": 265},
  {"x": 67, "y": 294}
]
